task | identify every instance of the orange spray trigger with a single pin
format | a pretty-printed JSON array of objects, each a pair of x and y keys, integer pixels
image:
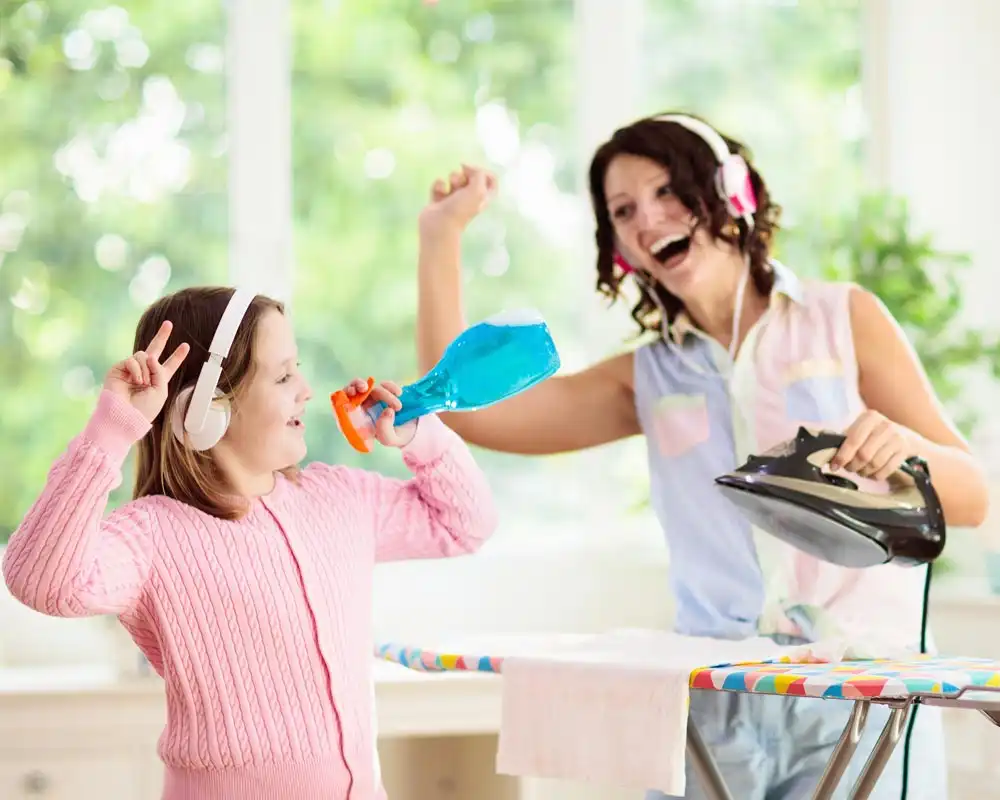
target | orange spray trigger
[{"x": 353, "y": 422}]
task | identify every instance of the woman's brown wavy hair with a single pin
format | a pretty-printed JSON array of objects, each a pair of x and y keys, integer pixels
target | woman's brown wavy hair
[{"x": 692, "y": 166}]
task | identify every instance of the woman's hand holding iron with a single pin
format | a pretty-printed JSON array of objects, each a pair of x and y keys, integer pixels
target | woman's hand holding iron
[{"x": 875, "y": 447}]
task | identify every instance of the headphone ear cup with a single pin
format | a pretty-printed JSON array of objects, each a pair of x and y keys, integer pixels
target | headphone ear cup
[
  {"x": 733, "y": 183},
  {"x": 216, "y": 421},
  {"x": 177, "y": 411}
]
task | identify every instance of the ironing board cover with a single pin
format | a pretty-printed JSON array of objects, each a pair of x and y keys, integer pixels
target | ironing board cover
[
  {"x": 926, "y": 675},
  {"x": 424, "y": 660}
]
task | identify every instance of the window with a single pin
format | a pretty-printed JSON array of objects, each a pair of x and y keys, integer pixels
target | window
[
  {"x": 382, "y": 105},
  {"x": 113, "y": 176},
  {"x": 115, "y": 162}
]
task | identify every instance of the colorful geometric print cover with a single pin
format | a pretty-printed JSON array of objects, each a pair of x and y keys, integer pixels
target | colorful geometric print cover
[
  {"x": 937, "y": 675},
  {"x": 424, "y": 660}
]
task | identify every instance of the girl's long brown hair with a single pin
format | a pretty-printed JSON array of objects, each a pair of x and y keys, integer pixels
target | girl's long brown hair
[{"x": 165, "y": 466}]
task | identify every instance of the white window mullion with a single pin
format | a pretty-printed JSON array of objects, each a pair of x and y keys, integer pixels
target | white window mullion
[
  {"x": 875, "y": 90},
  {"x": 258, "y": 57},
  {"x": 610, "y": 93},
  {"x": 609, "y": 82}
]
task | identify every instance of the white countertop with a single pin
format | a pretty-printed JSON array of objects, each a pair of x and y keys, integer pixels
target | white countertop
[{"x": 98, "y": 679}]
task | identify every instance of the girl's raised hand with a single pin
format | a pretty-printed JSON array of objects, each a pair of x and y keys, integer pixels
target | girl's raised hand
[{"x": 141, "y": 379}]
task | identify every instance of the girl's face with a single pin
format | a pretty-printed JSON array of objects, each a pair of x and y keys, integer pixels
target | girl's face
[
  {"x": 266, "y": 432},
  {"x": 655, "y": 231}
]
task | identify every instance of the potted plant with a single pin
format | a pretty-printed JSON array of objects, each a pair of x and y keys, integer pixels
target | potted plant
[{"x": 921, "y": 285}]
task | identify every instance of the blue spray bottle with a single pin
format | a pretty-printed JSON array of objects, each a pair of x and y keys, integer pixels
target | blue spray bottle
[{"x": 495, "y": 359}]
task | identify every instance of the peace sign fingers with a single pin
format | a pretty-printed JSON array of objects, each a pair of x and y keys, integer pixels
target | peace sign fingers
[
  {"x": 160, "y": 374},
  {"x": 171, "y": 365}
]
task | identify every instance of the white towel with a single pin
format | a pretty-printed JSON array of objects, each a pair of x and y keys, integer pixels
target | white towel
[
  {"x": 610, "y": 709},
  {"x": 855, "y": 648}
]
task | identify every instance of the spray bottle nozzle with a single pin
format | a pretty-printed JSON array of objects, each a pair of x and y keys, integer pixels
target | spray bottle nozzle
[{"x": 354, "y": 423}]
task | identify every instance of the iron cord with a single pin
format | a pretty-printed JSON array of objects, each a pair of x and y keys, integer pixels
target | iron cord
[{"x": 916, "y": 702}]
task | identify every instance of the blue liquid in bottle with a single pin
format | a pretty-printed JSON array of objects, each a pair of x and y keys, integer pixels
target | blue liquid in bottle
[{"x": 491, "y": 361}]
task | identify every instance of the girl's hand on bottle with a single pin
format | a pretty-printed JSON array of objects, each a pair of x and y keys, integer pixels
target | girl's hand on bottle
[
  {"x": 141, "y": 379},
  {"x": 386, "y": 392}
]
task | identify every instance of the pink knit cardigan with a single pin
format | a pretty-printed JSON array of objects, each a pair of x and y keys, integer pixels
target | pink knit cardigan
[{"x": 261, "y": 628}]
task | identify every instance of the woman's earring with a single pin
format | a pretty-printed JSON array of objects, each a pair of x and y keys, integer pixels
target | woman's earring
[
  {"x": 732, "y": 228},
  {"x": 623, "y": 265}
]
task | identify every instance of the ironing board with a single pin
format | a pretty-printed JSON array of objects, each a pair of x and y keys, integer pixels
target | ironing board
[{"x": 972, "y": 683}]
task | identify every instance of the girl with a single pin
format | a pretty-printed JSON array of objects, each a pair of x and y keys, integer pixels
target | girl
[
  {"x": 245, "y": 581},
  {"x": 748, "y": 352}
]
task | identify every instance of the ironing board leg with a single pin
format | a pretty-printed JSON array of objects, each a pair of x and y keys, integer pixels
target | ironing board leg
[
  {"x": 880, "y": 754},
  {"x": 992, "y": 715},
  {"x": 842, "y": 753},
  {"x": 705, "y": 766}
]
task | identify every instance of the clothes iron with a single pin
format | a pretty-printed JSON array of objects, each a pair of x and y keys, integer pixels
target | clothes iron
[{"x": 786, "y": 493}]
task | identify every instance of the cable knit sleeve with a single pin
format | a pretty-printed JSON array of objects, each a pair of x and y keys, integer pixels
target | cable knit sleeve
[
  {"x": 65, "y": 560},
  {"x": 445, "y": 509}
]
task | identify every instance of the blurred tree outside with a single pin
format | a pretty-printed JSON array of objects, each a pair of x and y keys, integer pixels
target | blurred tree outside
[
  {"x": 120, "y": 137},
  {"x": 386, "y": 98},
  {"x": 878, "y": 248},
  {"x": 112, "y": 191},
  {"x": 784, "y": 79}
]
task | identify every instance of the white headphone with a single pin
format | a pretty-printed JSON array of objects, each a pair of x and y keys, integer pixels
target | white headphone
[
  {"x": 732, "y": 179},
  {"x": 208, "y": 414}
]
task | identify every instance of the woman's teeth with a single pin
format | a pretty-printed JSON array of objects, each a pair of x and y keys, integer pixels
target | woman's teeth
[
  {"x": 665, "y": 242},
  {"x": 669, "y": 247}
]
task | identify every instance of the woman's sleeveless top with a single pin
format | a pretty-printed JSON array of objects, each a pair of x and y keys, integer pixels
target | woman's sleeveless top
[{"x": 703, "y": 415}]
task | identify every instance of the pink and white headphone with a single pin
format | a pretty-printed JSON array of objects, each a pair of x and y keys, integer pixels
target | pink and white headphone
[{"x": 732, "y": 177}]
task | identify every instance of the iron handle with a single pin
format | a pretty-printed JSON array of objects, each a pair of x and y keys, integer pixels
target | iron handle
[{"x": 914, "y": 466}]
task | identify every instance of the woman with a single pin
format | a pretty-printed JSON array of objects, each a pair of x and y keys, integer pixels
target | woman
[{"x": 748, "y": 352}]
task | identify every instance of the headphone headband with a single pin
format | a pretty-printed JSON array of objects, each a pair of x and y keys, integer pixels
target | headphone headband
[
  {"x": 229, "y": 324},
  {"x": 732, "y": 177},
  {"x": 708, "y": 134},
  {"x": 218, "y": 351}
]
